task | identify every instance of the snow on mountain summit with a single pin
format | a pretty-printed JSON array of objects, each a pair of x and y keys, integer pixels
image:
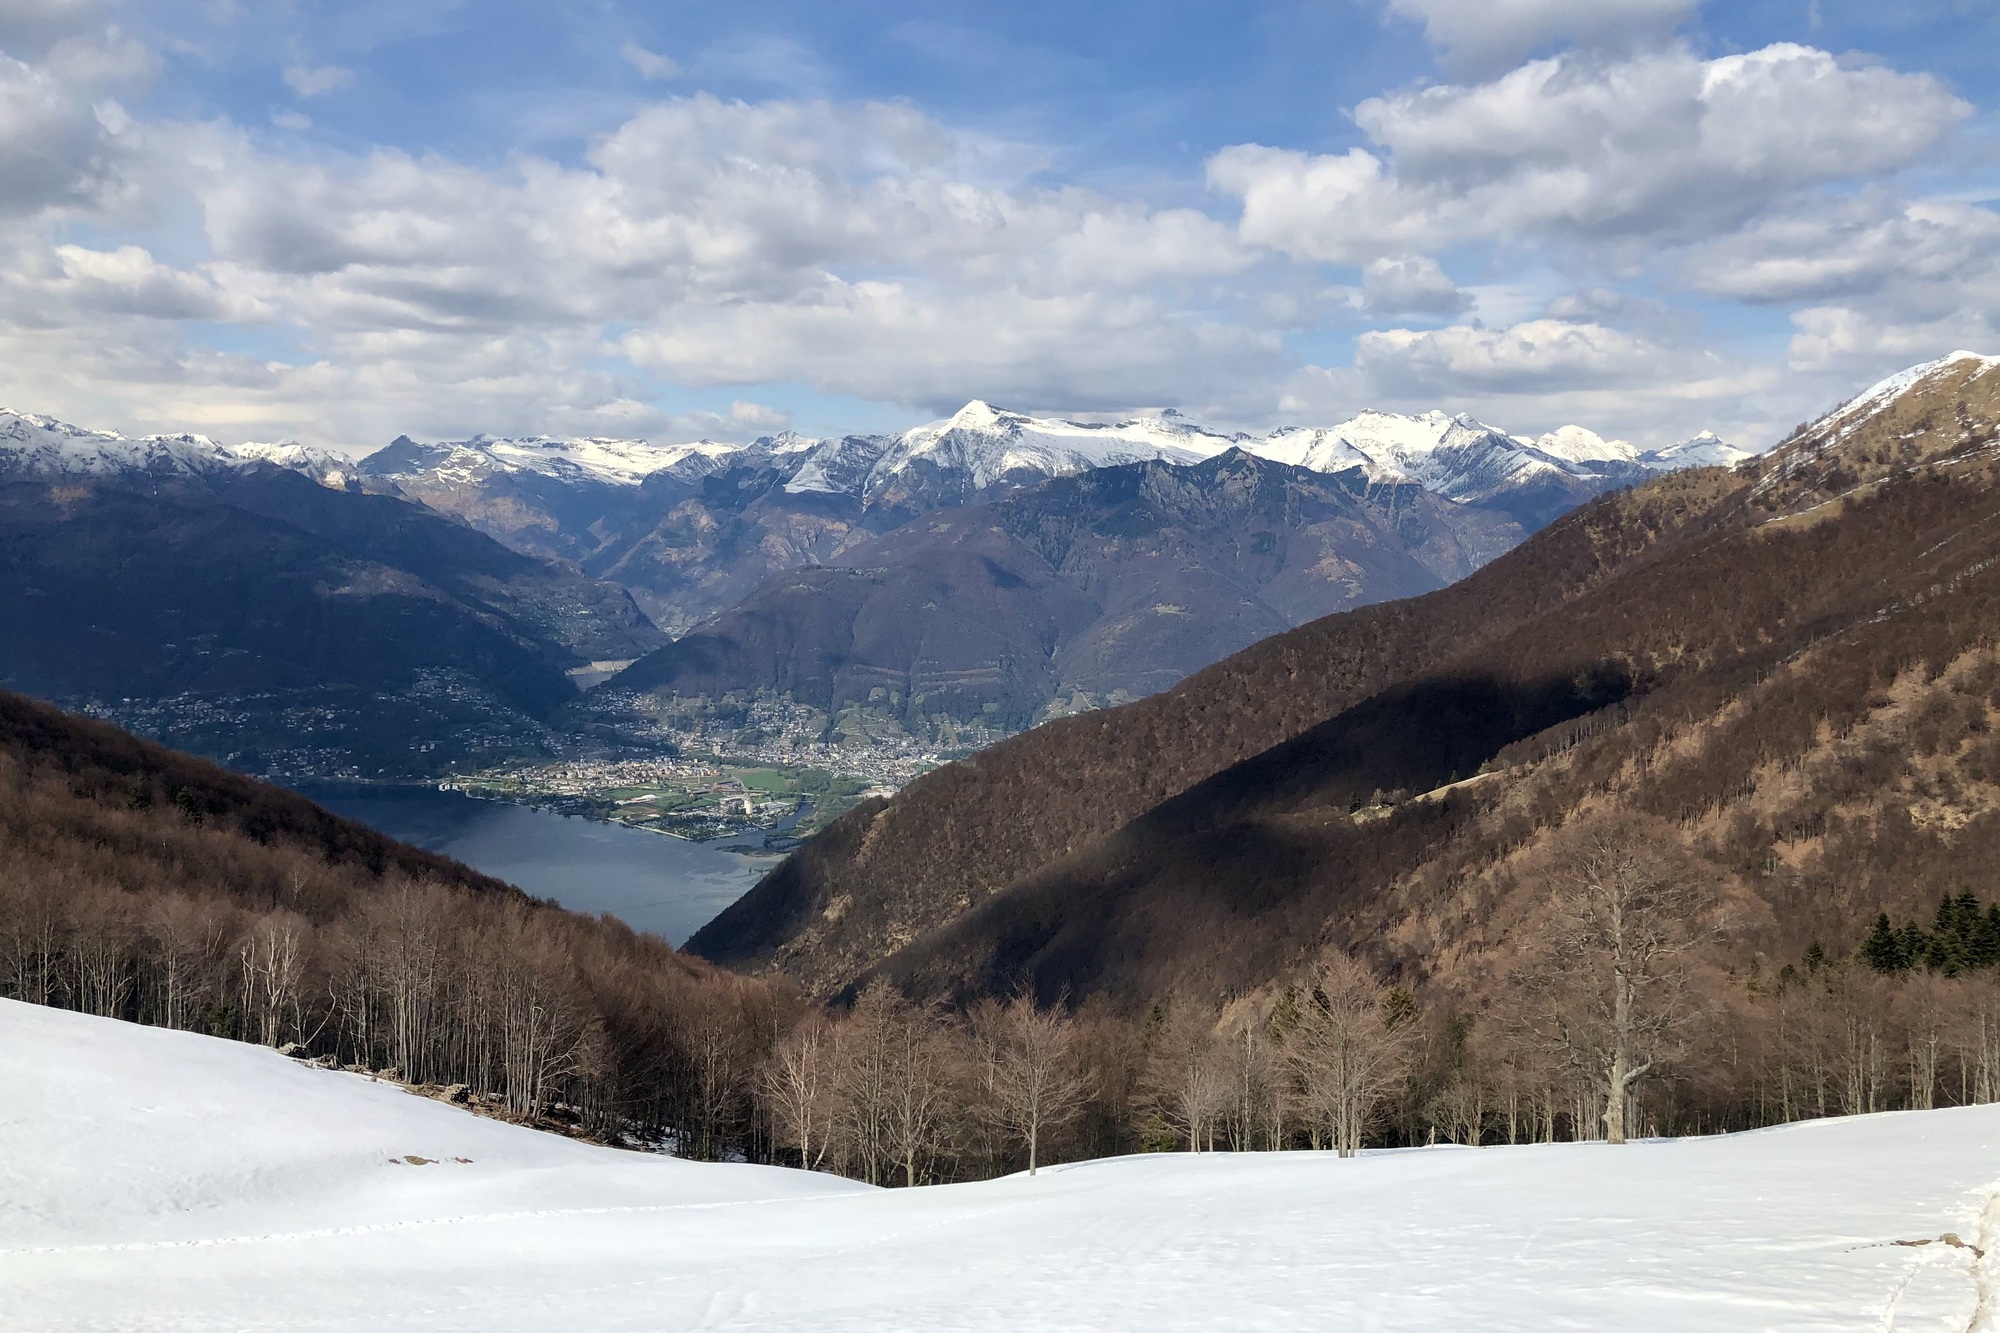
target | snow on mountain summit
[
  {"x": 976, "y": 447},
  {"x": 44, "y": 446},
  {"x": 1579, "y": 445}
]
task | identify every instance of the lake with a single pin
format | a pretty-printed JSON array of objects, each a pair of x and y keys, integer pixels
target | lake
[{"x": 647, "y": 880}]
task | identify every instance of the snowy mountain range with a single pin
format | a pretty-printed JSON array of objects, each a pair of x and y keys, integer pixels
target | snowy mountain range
[
  {"x": 980, "y": 446},
  {"x": 43, "y": 447}
]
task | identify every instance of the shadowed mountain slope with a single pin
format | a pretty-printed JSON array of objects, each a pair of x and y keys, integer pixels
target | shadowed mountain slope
[{"x": 1797, "y": 688}]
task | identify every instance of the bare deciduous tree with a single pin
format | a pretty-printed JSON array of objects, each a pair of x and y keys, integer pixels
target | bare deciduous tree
[
  {"x": 796, "y": 1082},
  {"x": 1031, "y": 1081},
  {"x": 1188, "y": 1074},
  {"x": 1620, "y": 935},
  {"x": 1345, "y": 1050}
]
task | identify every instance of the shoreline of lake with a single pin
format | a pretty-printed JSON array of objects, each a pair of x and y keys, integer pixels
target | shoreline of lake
[{"x": 668, "y": 886}]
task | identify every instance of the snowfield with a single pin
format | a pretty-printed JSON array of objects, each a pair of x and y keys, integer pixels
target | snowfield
[{"x": 160, "y": 1180}]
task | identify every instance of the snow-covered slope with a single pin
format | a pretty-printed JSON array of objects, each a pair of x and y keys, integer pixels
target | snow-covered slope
[
  {"x": 980, "y": 445},
  {"x": 323, "y": 466},
  {"x": 44, "y": 446},
  {"x": 1454, "y": 456},
  {"x": 167, "y": 1181},
  {"x": 568, "y": 458},
  {"x": 1703, "y": 450},
  {"x": 40, "y": 446},
  {"x": 984, "y": 445}
]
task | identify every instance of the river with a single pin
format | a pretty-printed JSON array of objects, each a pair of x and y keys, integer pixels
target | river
[{"x": 648, "y": 880}]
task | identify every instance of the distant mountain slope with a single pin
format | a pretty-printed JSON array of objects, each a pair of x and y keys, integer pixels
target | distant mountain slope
[
  {"x": 1112, "y": 584},
  {"x": 113, "y": 594},
  {"x": 273, "y": 610},
  {"x": 1789, "y": 669}
]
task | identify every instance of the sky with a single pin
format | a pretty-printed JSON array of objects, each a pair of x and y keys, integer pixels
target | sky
[{"x": 341, "y": 222}]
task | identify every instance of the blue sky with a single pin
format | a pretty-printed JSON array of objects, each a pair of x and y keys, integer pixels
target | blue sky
[{"x": 339, "y": 222}]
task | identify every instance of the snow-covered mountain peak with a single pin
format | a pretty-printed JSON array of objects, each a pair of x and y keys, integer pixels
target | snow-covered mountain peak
[
  {"x": 615, "y": 461},
  {"x": 45, "y": 446},
  {"x": 1703, "y": 450},
  {"x": 1321, "y": 450},
  {"x": 982, "y": 415},
  {"x": 1578, "y": 444},
  {"x": 322, "y": 465}
]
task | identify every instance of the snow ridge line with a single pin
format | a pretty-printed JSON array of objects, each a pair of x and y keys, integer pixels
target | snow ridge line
[
  {"x": 1983, "y": 1284},
  {"x": 364, "y": 1228}
]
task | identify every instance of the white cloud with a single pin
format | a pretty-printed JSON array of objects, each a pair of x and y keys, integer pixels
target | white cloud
[
  {"x": 63, "y": 142},
  {"x": 1489, "y": 34},
  {"x": 868, "y": 250},
  {"x": 1851, "y": 247},
  {"x": 1531, "y": 357},
  {"x": 1411, "y": 285},
  {"x": 937, "y": 349},
  {"x": 1865, "y": 341},
  {"x": 1890, "y": 280},
  {"x": 317, "y": 80},
  {"x": 650, "y": 64},
  {"x": 1540, "y": 374},
  {"x": 130, "y": 281},
  {"x": 1659, "y": 146}
]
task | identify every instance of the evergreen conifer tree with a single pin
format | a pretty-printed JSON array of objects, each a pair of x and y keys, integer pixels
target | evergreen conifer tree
[{"x": 1883, "y": 950}]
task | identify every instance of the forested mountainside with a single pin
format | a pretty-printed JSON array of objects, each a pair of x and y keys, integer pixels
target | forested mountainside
[
  {"x": 1783, "y": 674},
  {"x": 140, "y": 883},
  {"x": 1112, "y": 584}
]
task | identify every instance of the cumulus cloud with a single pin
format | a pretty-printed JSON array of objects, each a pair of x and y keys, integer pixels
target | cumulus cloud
[
  {"x": 1887, "y": 278},
  {"x": 1476, "y": 35},
  {"x": 936, "y": 349},
  {"x": 130, "y": 281},
  {"x": 1851, "y": 247},
  {"x": 1531, "y": 357},
  {"x": 1539, "y": 374},
  {"x": 1659, "y": 146},
  {"x": 317, "y": 80},
  {"x": 866, "y": 249},
  {"x": 1866, "y": 340}
]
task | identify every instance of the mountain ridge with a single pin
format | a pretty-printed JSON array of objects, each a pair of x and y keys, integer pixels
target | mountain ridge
[{"x": 937, "y": 891}]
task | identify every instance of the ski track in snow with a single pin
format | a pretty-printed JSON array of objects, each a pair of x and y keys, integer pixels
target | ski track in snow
[{"x": 161, "y": 1181}]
